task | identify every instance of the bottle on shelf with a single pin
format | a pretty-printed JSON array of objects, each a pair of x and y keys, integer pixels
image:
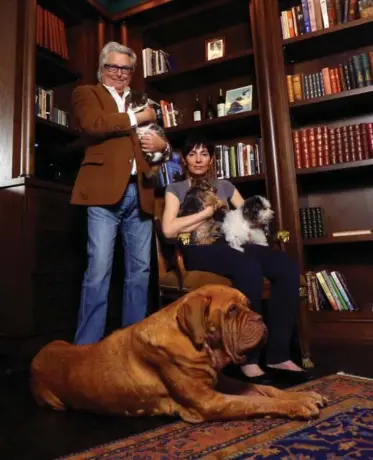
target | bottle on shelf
[
  {"x": 210, "y": 109},
  {"x": 197, "y": 112},
  {"x": 220, "y": 104}
]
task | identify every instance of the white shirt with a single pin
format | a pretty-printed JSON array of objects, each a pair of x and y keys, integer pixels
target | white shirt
[{"x": 121, "y": 101}]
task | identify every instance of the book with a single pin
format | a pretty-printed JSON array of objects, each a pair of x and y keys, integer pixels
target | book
[{"x": 352, "y": 233}]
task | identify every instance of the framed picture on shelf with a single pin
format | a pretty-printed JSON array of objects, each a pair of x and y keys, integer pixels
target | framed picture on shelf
[
  {"x": 239, "y": 100},
  {"x": 214, "y": 48}
]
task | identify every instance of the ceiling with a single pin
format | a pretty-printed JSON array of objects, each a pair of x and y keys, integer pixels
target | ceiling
[{"x": 114, "y": 6}]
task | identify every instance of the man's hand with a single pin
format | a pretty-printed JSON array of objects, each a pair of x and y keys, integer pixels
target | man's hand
[
  {"x": 145, "y": 116},
  {"x": 151, "y": 142}
]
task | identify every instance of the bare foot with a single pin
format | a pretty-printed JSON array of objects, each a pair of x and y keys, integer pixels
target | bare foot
[
  {"x": 286, "y": 365},
  {"x": 252, "y": 370}
]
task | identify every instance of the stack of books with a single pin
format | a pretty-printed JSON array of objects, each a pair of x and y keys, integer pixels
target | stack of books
[{"x": 329, "y": 291}]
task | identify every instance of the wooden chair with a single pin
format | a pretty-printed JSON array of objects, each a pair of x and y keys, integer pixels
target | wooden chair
[{"x": 175, "y": 280}]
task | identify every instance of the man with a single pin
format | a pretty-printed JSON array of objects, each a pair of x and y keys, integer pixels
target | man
[{"x": 111, "y": 184}]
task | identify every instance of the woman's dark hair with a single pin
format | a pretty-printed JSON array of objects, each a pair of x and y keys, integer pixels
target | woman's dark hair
[{"x": 197, "y": 141}]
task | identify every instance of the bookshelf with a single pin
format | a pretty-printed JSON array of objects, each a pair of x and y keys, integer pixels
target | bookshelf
[
  {"x": 343, "y": 189},
  {"x": 191, "y": 73}
]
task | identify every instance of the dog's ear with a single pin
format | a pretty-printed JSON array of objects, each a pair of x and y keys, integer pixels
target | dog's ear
[{"x": 192, "y": 316}]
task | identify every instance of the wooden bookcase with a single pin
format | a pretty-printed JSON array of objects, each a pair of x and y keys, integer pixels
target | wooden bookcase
[
  {"x": 344, "y": 190},
  {"x": 42, "y": 236},
  {"x": 182, "y": 34}
]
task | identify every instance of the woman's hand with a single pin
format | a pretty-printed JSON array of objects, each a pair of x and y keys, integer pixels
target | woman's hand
[{"x": 152, "y": 142}]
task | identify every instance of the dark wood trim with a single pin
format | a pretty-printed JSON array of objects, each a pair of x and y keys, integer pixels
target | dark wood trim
[
  {"x": 331, "y": 30},
  {"x": 187, "y": 13},
  {"x": 100, "y": 9},
  {"x": 335, "y": 167},
  {"x": 338, "y": 240},
  {"x": 27, "y": 164},
  {"x": 275, "y": 120},
  {"x": 101, "y": 33},
  {"x": 342, "y": 316},
  {"x": 137, "y": 9},
  {"x": 217, "y": 124},
  {"x": 124, "y": 33},
  {"x": 244, "y": 179},
  {"x": 331, "y": 97},
  {"x": 229, "y": 59}
]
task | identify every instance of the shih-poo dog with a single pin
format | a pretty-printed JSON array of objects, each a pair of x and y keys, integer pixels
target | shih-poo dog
[
  {"x": 247, "y": 223},
  {"x": 202, "y": 194},
  {"x": 137, "y": 103}
]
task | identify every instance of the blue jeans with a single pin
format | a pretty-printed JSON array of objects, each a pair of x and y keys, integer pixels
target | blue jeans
[{"x": 136, "y": 232}]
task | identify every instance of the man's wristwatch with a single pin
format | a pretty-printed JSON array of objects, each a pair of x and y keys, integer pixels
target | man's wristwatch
[{"x": 167, "y": 152}]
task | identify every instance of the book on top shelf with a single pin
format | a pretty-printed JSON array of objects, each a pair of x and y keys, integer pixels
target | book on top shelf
[
  {"x": 51, "y": 32},
  {"x": 313, "y": 15}
]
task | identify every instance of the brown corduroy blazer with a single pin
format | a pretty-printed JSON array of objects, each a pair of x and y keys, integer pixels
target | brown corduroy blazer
[{"x": 113, "y": 145}]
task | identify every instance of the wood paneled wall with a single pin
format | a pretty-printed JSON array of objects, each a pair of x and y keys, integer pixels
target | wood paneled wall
[{"x": 8, "y": 86}]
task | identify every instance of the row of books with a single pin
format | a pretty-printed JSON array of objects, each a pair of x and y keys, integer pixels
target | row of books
[
  {"x": 51, "y": 32},
  {"x": 313, "y": 15},
  {"x": 322, "y": 146},
  {"x": 239, "y": 160},
  {"x": 312, "y": 222},
  {"x": 356, "y": 72},
  {"x": 155, "y": 62},
  {"x": 170, "y": 115},
  {"x": 44, "y": 107},
  {"x": 328, "y": 291}
]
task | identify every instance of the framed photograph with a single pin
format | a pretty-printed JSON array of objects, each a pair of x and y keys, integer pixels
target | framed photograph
[
  {"x": 215, "y": 48},
  {"x": 239, "y": 100}
]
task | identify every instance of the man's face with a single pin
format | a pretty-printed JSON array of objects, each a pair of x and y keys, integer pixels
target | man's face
[{"x": 118, "y": 71}]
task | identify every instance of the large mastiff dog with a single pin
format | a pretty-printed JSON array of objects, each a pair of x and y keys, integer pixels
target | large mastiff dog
[{"x": 169, "y": 364}]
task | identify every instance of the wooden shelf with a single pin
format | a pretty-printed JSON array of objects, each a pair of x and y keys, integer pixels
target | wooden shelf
[
  {"x": 342, "y": 316},
  {"x": 348, "y": 166},
  {"x": 240, "y": 124},
  {"x": 246, "y": 179},
  {"x": 351, "y": 35},
  {"x": 50, "y": 132},
  {"x": 71, "y": 12},
  {"x": 52, "y": 70},
  {"x": 234, "y": 64},
  {"x": 187, "y": 20},
  {"x": 354, "y": 102},
  {"x": 341, "y": 327},
  {"x": 338, "y": 240}
]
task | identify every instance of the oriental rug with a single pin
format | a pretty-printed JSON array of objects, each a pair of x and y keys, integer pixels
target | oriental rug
[{"x": 344, "y": 430}]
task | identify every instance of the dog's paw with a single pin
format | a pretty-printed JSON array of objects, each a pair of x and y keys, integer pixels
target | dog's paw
[
  {"x": 303, "y": 409},
  {"x": 319, "y": 399}
]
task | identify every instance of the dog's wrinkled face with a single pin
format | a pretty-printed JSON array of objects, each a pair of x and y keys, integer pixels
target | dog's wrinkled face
[
  {"x": 257, "y": 210},
  {"x": 220, "y": 317}
]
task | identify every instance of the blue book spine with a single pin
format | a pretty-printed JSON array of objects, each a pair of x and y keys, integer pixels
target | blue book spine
[{"x": 306, "y": 16}]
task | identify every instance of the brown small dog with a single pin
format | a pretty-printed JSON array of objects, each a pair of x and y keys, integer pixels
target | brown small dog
[
  {"x": 198, "y": 197},
  {"x": 168, "y": 364}
]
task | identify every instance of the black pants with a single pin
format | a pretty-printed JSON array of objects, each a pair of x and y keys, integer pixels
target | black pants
[{"x": 246, "y": 270}]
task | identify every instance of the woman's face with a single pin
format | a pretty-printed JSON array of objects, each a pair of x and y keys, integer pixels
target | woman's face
[{"x": 198, "y": 160}]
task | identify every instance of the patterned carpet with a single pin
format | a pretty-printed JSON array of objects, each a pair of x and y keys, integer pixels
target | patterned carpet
[{"x": 344, "y": 430}]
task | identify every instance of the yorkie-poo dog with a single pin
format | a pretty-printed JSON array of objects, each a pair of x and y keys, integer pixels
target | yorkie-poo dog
[
  {"x": 202, "y": 194},
  {"x": 247, "y": 223}
]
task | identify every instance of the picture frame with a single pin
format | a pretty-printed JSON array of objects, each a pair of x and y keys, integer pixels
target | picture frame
[
  {"x": 239, "y": 100},
  {"x": 214, "y": 48}
]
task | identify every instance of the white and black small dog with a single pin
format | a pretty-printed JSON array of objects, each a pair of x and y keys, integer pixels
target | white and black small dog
[{"x": 247, "y": 223}]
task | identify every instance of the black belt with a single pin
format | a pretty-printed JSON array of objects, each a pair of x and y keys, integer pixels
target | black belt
[{"x": 132, "y": 179}]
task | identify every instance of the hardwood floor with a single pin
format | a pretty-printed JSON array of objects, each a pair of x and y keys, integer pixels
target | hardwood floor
[{"x": 29, "y": 432}]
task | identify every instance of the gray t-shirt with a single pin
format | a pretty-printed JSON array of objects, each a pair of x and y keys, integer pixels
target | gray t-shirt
[{"x": 224, "y": 189}]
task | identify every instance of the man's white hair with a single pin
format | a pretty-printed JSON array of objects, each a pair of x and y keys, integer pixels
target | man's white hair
[{"x": 114, "y": 47}]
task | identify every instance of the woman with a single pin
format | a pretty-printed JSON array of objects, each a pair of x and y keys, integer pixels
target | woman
[{"x": 246, "y": 269}]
